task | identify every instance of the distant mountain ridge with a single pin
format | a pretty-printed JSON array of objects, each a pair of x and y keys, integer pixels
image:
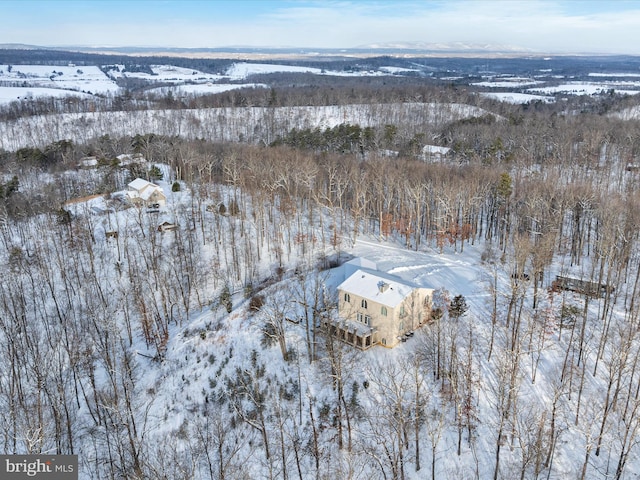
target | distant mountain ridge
[
  {"x": 19, "y": 46},
  {"x": 450, "y": 47},
  {"x": 447, "y": 47}
]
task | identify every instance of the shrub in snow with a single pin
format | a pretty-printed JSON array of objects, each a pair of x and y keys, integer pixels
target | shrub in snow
[
  {"x": 256, "y": 303},
  {"x": 225, "y": 299}
]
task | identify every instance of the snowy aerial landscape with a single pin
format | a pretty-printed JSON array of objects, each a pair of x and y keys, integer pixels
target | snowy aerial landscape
[
  {"x": 33, "y": 81},
  {"x": 174, "y": 235}
]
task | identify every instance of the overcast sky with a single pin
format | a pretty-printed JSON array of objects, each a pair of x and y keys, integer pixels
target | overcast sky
[{"x": 611, "y": 26}]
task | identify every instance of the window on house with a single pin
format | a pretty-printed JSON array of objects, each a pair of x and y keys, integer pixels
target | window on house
[
  {"x": 383, "y": 311},
  {"x": 367, "y": 320},
  {"x": 347, "y": 298},
  {"x": 402, "y": 311},
  {"x": 363, "y": 303},
  {"x": 360, "y": 317}
]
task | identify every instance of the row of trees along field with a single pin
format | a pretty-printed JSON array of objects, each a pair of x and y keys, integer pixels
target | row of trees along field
[{"x": 502, "y": 390}]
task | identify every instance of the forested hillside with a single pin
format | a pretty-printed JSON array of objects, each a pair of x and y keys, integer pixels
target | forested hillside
[{"x": 199, "y": 352}]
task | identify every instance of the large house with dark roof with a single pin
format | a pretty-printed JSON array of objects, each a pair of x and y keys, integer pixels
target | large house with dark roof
[{"x": 378, "y": 308}]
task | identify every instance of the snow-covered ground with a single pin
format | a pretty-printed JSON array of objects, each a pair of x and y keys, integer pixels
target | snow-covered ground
[
  {"x": 399, "y": 70},
  {"x": 206, "y": 88},
  {"x": 87, "y": 79},
  {"x": 239, "y": 71},
  {"x": 516, "y": 98},
  {"x": 613, "y": 75},
  {"x": 588, "y": 88},
  {"x": 458, "y": 273},
  {"x": 508, "y": 83},
  {"x": 26, "y": 94},
  {"x": 209, "y": 362},
  {"x": 166, "y": 74}
]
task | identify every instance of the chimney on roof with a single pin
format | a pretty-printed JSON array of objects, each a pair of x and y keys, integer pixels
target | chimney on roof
[{"x": 383, "y": 286}]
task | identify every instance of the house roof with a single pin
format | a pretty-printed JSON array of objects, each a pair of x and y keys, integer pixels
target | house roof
[
  {"x": 141, "y": 184},
  {"x": 88, "y": 161},
  {"x": 435, "y": 149},
  {"x": 356, "y": 327},
  {"x": 143, "y": 189},
  {"x": 364, "y": 282}
]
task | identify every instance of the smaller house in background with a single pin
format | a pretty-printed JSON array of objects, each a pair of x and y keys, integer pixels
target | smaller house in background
[
  {"x": 128, "y": 159},
  {"x": 167, "y": 227},
  {"x": 141, "y": 193},
  {"x": 584, "y": 287},
  {"x": 434, "y": 153},
  {"x": 88, "y": 162}
]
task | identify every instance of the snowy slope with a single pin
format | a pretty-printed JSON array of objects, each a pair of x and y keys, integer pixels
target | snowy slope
[{"x": 252, "y": 124}]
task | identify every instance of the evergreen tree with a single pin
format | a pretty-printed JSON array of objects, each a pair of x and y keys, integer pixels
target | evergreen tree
[
  {"x": 458, "y": 307},
  {"x": 155, "y": 174},
  {"x": 64, "y": 216},
  {"x": 504, "y": 188}
]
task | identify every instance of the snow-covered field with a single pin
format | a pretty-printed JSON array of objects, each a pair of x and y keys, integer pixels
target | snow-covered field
[
  {"x": 508, "y": 83},
  {"x": 166, "y": 74},
  {"x": 205, "y": 88},
  {"x": 240, "y": 71},
  {"x": 57, "y": 81},
  {"x": 536, "y": 90},
  {"x": 399, "y": 70},
  {"x": 26, "y": 94},
  {"x": 613, "y": 75},
  {"x": 88, "y": 79},
  {"x": 516, "y": 98},
  {"x": 588, "y": 88}
]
